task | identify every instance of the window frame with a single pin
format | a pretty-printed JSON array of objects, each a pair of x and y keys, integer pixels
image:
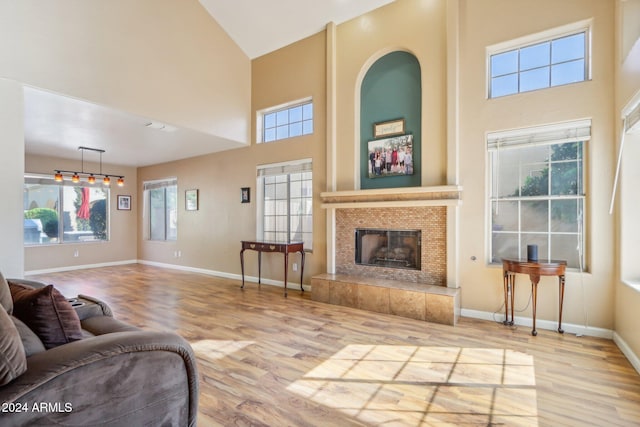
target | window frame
[
  {"x": 279, "y": 170},
  {"x": 148, "y": 187},
  {"x": 48, "y": 180},
  {"x": 532, "y": 40},
  {"x": 261, "y": 121},
  {"x": 549, "y": 135}
]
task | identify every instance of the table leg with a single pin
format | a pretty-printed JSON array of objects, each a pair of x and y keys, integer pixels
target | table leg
[
  {"x": 286, "y": 268},
  {"x": 242, "y": 267},
  {"x": 259, "y": 268},
  {"x": 301, "y": 269},
  {"x": 561, "y": 280},
  {"x": 512, "y": 284},
  {"x": 505, "y": 281},
  {"x": 534, "y": 302}
]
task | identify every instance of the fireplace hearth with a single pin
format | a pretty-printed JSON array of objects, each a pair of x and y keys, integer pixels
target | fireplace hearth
[{"x": 388, "y": 248}]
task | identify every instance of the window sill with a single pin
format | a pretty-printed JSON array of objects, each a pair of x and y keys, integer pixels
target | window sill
[{"x": 633, "y": 284}]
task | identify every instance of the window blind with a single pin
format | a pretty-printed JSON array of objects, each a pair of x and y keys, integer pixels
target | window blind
[
  {"x": 152, "y": 185},
  {"x": 273, "y": 169},
  {"x": 540, "y": 135}
]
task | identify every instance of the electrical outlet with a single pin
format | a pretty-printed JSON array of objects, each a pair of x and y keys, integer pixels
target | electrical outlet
[
  {"x": 295, "y": 266},
  {"x": 76, "y": 253}
]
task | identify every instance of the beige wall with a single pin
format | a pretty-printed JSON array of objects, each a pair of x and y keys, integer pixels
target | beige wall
[
  {"x": 483, "y": 24},
  {"x": 419, "y": 27},
  {"x": 121, "y": 246},
  {"x": 11, "y": 174},
  {"x": 627, "y": 299},
  {"x": 210, "y": 238},
  {"x": 164, "y": 60},
  {"x": 408, "y": 25}
]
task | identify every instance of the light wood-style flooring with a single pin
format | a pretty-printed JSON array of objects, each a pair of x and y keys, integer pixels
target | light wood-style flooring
[{"x": 269, "y": 361}]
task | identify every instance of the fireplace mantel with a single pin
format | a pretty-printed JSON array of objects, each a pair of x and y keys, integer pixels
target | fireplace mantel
[{"x": 443, "y": 195}]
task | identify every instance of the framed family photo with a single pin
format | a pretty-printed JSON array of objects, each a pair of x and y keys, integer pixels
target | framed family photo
[{"x": 390, "y": 156}]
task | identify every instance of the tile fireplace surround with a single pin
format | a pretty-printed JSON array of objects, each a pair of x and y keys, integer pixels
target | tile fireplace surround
[{"x": 423, "y": 294}]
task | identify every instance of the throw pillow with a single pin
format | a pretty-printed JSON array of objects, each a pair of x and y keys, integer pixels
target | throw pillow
[
  {"x": 30, "y": 340},
  {"x": 13, "y": 361},
  {"x": 5, "y": 295},
  {"x": 47, "y": 313}
]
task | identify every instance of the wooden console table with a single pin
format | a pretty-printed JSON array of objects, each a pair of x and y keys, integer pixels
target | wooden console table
[
  {"x": 284, "y": 248},
  {"x": 534, "y": 269}
]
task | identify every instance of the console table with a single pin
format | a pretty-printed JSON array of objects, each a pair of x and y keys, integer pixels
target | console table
[
  {"x": 534, "y": 269},
  {"x": 265, "y": 246}
]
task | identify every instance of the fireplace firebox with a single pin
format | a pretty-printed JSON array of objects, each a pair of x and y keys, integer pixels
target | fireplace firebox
[{"x": 388, "y": 248}]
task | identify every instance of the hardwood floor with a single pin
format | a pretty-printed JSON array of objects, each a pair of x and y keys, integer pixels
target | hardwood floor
[{"x": 269, "y": 361}]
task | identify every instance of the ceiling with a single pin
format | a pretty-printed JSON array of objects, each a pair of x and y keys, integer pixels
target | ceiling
[
  {"x": 260, "y": 26},
  {"x": 57, "y": 125}
]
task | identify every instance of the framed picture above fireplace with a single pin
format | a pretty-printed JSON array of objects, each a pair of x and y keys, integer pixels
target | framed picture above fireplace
[{"x": 390, "y": 156}]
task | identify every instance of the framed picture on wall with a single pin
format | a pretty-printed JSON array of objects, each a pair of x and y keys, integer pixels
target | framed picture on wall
[
  {"x": 390, "y": 156},
  {"x": 124, "y": 203},
  {"x": 191, "y": 200},
  {"x": 245, "y": 195},
  {"x": 389, "y": 128}
]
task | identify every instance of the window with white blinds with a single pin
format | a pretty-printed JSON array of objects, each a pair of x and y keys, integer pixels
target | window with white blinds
[
  {"x": 537, "y": 192},
  {"x": 285, "y": 196}
]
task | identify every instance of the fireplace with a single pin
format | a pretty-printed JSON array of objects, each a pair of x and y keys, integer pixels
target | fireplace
[{"x": 388, "y": 248}]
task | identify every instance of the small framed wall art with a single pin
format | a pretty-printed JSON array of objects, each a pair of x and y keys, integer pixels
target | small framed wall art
[
  {"x": 124, "y": 203},
  {"x": 388, "y": 128},
  {"x": 191, "y": 200},
  {"x": 245, "y": 195}
]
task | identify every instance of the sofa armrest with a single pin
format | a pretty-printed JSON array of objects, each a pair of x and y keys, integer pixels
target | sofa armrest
[
  {"x": 92, "y": 306},
  {"x": 123, "y": 378}
]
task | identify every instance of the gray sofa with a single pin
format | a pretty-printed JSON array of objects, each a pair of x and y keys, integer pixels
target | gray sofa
[{"x": 106, "y": 373}]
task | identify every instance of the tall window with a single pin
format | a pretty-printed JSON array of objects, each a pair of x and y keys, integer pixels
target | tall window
[
  {"x": 537, "y": 192},
  {"x": 64, "y": 212},
  {"x": 286, "y": 202},
  {"x": 553, "y": 62},
  {"x": 161, "y": 207},
  {"x": 287, "y": 121}
]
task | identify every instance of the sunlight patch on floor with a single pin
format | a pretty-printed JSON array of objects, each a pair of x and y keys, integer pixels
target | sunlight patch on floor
[
  {"x": 417, "y": 385},
  {"x": 217, "y": 349}
]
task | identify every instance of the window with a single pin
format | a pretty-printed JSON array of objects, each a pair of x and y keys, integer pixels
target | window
[
  {"x": 537, "y": 192},
  {"x": 286, "y": 202},
  {"x": 161, "y": 209},
  {"x": 628, "y": 201},
  {"x": 553, "y": 62},
  {"x": 64, "y": 212},
  {"x": 286, "y": 121}
]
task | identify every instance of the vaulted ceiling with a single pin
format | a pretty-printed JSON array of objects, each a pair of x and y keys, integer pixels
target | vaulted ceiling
[{"x": 57, "y": 125}]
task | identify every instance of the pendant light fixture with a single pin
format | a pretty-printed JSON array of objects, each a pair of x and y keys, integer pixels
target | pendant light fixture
[{"x": 90, "y": 176}]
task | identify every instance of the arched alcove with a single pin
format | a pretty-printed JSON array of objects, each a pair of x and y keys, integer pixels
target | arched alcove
[{"x": 391, "y": 90}]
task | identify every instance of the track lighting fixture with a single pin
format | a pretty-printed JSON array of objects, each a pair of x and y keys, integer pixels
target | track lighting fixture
[{"x": 90, "y": 176}]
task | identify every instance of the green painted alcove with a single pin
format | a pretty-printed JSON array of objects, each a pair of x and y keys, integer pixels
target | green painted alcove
[{"x": 391, "y": 90}]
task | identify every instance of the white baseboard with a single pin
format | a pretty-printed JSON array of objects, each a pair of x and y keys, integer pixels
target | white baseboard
[
  {"x": 626, "y": 350},
  {"x": 80, "y": 267},
  {"x": 253, "y": 279},
  {"x": 550, "y": 325}
]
